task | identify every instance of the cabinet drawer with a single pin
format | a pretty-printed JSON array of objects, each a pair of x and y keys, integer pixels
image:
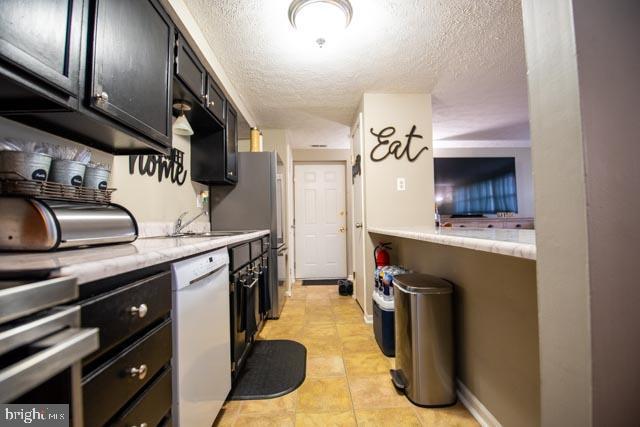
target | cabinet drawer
[
  {"x": 127, "y": 310},
  {"x": 109, "y": 388},
  {"x": 151, "y": 407},
  {"x": 256, "y": 248},
  {"x": 239, "y": 256},
  {"x": 214, "y": 100},
  {"x": 189, "y": 70}
]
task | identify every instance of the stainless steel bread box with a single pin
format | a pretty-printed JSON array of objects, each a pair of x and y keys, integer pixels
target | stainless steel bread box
[{"x": 42, "y": 225}]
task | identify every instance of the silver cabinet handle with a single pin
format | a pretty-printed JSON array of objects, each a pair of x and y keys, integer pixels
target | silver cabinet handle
[
  {"x": 57, "y": 352},
  {"x": 140, "y": 372},
  {"x": 102, "y": 96},
  {"x": 141, "y": 425},
  {"x": 207, "y": 102},
  {"x": 21, "y": 300},
  {"x": 358, "y": 225},
  {"x": 139, "y": 311}
]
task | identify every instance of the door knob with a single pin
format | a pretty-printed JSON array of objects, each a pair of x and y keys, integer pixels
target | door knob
[
  {"x": 358, "y": 225},
  {"x": 341, "y": 229}
]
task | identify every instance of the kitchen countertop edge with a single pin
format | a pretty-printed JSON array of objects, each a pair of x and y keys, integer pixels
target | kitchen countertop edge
[{"x": 142, "y": 253}]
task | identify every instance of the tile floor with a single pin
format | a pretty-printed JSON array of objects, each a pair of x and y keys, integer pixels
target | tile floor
[{"x": 347, "y": 381}]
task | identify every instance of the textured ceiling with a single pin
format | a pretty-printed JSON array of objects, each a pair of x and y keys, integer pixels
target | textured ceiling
[{"x": 468, "y": 54}]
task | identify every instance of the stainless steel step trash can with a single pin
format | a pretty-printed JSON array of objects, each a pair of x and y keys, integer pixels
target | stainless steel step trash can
[{"x": 424, "y": 339}]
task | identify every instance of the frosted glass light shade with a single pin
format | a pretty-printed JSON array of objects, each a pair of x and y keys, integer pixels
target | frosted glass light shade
[{"x": 181, "y": 126}]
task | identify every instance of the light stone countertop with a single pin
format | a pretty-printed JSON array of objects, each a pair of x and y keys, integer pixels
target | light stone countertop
[
  {"x": 510, "y": 242},
  {"x": 95, "y": 263}
]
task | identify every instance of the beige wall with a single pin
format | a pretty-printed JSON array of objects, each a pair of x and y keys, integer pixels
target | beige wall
[
  {"x": 607, "y": 35},
  {"x": 496, "y": 324},
  {"x": 148, "y": 200},
  {"x": 524, "y": 175},
  {"x": 583, "y": 65},
  {"x": 333, "y": 155},
  {"x": 384, "y": 205}
]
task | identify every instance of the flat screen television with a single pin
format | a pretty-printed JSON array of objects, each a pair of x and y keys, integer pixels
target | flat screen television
[{"x": 475, "y": 186}]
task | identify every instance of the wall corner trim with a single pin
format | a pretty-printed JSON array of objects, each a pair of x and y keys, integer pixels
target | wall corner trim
[
  {"x": 475, "y": 407},
  {"x": 368, "y": 318}
]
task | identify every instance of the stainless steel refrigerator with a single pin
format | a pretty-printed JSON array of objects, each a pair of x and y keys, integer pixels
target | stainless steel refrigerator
[{"x": 253, "y": 204}]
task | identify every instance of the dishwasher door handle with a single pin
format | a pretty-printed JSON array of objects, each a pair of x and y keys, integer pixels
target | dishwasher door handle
[{"x": 58, "y": 352}]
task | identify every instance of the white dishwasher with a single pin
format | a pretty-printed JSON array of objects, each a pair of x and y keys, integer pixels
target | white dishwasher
[{"x": 201, "y": 343}]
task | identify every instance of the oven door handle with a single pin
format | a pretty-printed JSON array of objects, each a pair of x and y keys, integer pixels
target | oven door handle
[
  {"x": 25, "y": 299},
  {"x": 28, "y": 332},
  {"x": 58, "y": 352}
]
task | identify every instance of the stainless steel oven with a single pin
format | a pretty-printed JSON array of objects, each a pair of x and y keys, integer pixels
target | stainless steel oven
[{"x": 41, "y": 344}]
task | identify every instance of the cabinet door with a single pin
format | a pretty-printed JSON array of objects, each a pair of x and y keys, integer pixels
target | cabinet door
[
  {"x": 189, "y": 70},
  {"x": 214, "y": 100},
  {"x": 231, "y": 145},
  {"x": 133, "y": 66},
  {"x": 42, "y": 37}
]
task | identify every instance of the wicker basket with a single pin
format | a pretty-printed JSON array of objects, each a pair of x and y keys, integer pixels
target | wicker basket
[{"x": 13, "y": 184}]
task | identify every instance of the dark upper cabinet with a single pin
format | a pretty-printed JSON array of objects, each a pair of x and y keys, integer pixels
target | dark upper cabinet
[
  {"x": 39, "y": 54},
  {"x": 231, "y": 146},
  {"x": 214, "y": 99},
  {"x": 132, "y": 66},
  {"x": 189, "y": 70}
]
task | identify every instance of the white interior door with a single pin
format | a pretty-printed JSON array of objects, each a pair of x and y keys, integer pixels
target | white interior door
[
  {"x": 358, "y": 215},
  {"x": 320, "y": 221}
]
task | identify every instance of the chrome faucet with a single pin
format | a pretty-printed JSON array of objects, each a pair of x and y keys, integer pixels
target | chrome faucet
[{"x": 179, "y": 225}]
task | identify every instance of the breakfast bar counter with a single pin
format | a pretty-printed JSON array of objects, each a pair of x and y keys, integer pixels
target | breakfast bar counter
[{"x": 510, "y": 242}]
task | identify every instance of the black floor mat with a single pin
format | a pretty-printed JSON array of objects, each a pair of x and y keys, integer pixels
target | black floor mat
[
  {"x": 274, "y": 368},
  {"x": 319, "y": 282}
]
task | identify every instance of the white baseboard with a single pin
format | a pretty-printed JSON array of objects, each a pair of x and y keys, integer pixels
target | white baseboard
[
  {"x": 476, "y": 408},
  {"x": 368, "y": 318}
]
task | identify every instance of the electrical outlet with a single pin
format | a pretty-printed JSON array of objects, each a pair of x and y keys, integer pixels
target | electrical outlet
[{"x": 401, "y": 184}]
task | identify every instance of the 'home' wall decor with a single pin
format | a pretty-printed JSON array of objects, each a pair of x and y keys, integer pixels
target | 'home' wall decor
[
  {"x": 395, "y": 147},
  {"x": 171, "y": 166}
]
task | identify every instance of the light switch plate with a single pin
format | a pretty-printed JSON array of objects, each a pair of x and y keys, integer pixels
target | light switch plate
[{"x": 401, "y": 184}]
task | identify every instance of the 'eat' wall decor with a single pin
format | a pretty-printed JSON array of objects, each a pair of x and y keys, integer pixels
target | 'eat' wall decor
[
  {"x": 385, "y": 148},
  {"x": 171, "y": 166}
]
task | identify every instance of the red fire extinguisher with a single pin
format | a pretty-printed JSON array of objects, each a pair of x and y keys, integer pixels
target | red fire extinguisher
[{"x": 381, "y": 254}]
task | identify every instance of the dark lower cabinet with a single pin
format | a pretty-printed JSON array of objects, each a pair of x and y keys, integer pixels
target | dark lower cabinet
[
  {"x": 126, "y": 310},
  {"x": 150, "y": 408},
  {"x": 113, "y": 384},
  {"x": 132, "y": 65},
  {"x": 39, "y": 54},
  {"x": 127, "y": 381}
]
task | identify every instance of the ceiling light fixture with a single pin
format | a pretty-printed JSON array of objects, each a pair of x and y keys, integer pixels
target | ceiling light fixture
[
  {"x": 320, "y": 19},
  {"x": 181, "y": 126}
]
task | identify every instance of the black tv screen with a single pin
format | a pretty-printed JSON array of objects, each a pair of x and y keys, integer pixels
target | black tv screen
[{"x": 471, "y": 186}]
